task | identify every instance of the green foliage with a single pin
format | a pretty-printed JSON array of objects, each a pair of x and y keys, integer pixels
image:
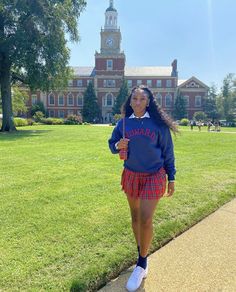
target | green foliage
[
  {"x": 199, "y": 116},
  {"x": 184, "y": 122},
  {"x": 38, "y": 116},
  {"x": 34, "y": 46},
  {"x": 52, "y": 121},
  {"x": 20, "y": 122},
  {"x": 73, "y": 120},
  {"x": 117, "y": 117},
  {"x": 180, "y": 110},
  {"x": 38, "y": 107},
  {"x": 120, "y": 99},
  {"x": 19, "y": 100},
  {"x": 91, "y": 111},
  {"x": 209, "y": 104}
]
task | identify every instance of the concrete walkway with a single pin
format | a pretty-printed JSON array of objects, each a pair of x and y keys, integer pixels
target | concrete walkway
[{"x": 201, "y": 259}]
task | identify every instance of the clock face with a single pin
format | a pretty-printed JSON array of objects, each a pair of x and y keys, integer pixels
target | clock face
[{"x": 109, "y": 42}]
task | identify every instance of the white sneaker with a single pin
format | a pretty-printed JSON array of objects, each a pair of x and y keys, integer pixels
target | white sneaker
[{"x": 136, "y": 278}]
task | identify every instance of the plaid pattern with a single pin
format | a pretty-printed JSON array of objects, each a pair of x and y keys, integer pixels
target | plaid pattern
[{"x": 146, "y": 186}]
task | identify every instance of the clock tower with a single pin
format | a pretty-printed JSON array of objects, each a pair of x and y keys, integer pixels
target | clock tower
[{"x": 109, "y": 63}]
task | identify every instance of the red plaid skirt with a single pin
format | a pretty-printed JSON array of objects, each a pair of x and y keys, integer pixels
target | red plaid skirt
[{"x": 146, "y": 186}]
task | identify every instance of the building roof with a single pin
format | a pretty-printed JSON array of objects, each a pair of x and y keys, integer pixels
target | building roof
[
  {"x": 148, "y": 71},
  {"x": 84, "y": 71},
  {"x": 111, "y": 9}
]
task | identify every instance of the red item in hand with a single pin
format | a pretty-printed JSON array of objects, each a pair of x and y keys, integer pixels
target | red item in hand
[{"x": 123, "y": 154}]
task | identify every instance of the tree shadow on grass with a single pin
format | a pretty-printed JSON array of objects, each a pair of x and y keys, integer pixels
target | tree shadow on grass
[{"x": 19, "y": 134}]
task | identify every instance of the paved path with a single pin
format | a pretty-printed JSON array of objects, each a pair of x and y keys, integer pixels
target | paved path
[{"x": 201, "y": 259}]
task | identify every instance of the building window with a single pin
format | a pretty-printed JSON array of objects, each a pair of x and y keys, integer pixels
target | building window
[
  {"x": 198, "y": 101},
  {"x": 51, "y": 99},
  {"x": 109, "y": 65},
  {"x": 88, "y": 81},
  {"x": 109, "y": 83},
  {"x": 61, "y": 114},
  {"x": 169, "y": 83},
  {"x": 159, "y": 99},
  {"x": 70, "y": 99},
  {"x": 186, "y": 98},
  {"x": 168, "y": 100},
  {"x": 70, "y": 112},
  {"x": 51, "y": 113},
  {"x": 34, "y": 98},
  {"x": 159, "y": 83},
  {"x": 139, "y": 82},
  {"x": 61, "y": 100},
  {"x": 129, "y": 83},
  {"x": 149, "y": 83},
  {"x": 70, "y": 82},
  {"x": 108, "y": 100},
  {"x": 80, "y": 101},
  {"x": 79, "y": 83}
]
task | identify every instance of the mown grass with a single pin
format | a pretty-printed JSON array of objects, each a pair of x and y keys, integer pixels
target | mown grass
[{"x": 65, "y": 224}]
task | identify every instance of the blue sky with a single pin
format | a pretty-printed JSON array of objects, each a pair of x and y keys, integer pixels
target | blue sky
[{"x": 200, "y": 34}]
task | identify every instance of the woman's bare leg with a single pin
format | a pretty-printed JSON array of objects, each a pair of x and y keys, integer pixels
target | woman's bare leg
[{"x": 134, "y": 204}]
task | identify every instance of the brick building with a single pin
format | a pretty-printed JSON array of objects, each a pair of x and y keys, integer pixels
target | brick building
[{"x": 107, "y": 74}]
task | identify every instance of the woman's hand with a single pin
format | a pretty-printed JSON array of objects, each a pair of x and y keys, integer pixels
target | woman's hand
[
  {"x": 171, "y": 188},
  {"x": 123, "y": 144}
]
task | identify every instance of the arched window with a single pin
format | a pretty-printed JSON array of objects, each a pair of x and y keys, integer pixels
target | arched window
[
  {"x": 61, "y": 99},
  {"x": 80, "y": 100},
  {"x": 110, "y": 20},
  {"x": 51, "y": 99},
  {"x": 159, "y": 99},
  {"x": 108, "y": 100},
  {"x": 168, "y": 100},
  {"x": 70, "y": 99}
]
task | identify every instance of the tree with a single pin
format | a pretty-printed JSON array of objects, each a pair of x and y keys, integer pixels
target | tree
[
  {"x": 199, "y": 116},
  {"x": 227, "y": 98},
  {"x": 209, "y": 104},
  {"x": 120, "y": 99},
  {"x": 33, "y": 46},
  {"x": 38, "y": 107},
  {"x": 91, "y": 111},
  {"x": 180, "y": 110}
]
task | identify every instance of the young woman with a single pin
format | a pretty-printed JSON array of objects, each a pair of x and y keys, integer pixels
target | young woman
[{"x": 150, "y": 160}]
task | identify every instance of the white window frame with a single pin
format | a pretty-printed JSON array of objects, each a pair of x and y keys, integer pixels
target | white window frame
[
  {"x": 61, "y": 95},
  {"x": 166, "y": 96},
  {"x": 77, "y": 99},
  {"x": 159, "y": 83},
  {"x": 34, "y": 98},
  {"x": 80, "y": 83},
  {"x": 109, "y": 65},
  {"x": 168, "y": 83},
  {"x": 130, "y": 83},
  {"x": 70, "y": 82},
  {"x": 49, "y": 101},
  {"x": 105, "y": 100},
  {"x": 159, "y": 97},
  {"x": 68, "y": 98},
  {"x": 139, "y": 82},
  {"x": 61, "y": 114},
  {"x": 198, "y": 97},
  {"x": 109, "y": 83},
  {"x": 51, "y": 113},
  {"x": 149, "y": 83}
]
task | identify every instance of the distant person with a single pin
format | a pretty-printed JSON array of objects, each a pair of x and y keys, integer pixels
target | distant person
[
  {"x": 150, "y": 160},
  {"x": 209, "y": 125},
  {"x": 199, "y": 125},
  {"x": 191, "y": 124}
]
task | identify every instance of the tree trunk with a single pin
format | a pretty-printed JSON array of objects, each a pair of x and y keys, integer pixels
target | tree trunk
[{"x": 5, "y": 83}]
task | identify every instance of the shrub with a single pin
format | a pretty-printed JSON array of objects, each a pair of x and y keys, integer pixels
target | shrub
[
  {"x": 20, "y": 122},
  {"x": 199, "y": 116},
  {"x": 52, "y": 121},
  {"x": 117, "y": 117},
  {"x": 38, "y": 107},
  {"x": 73, "y": 120},
  {"x": 184, "y": 122},
  {"x": 38, "y": 116},
  {"x": 30, "y": 122}
]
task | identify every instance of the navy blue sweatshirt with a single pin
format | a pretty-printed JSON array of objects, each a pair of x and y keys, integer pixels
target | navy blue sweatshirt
[{"x": 150, "y": 146}]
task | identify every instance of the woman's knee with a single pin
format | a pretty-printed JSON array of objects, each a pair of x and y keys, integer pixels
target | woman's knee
[
  {"x": 135, "y": 216},
  {"x": 146, "y": 220}
]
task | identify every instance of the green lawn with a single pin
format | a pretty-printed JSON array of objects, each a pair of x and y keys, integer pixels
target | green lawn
[{"x": 64, "y": 222}]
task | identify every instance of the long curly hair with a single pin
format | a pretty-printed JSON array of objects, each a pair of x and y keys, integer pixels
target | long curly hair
[{"x": 154, "y": 110}]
